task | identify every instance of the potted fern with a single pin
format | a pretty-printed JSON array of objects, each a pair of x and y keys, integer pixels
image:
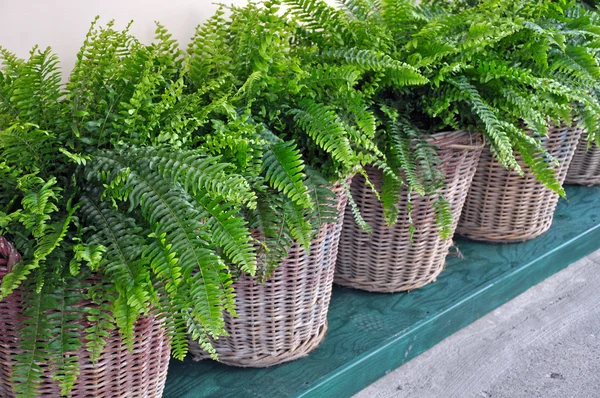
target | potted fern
[
  {"x": 433, "y": 155},
  {"x": 315, "y": 131},
  {"x": 122, "y": 235},
  {"x": 518, "y": 205},
  {"x": 585, "y": 166},
  {"x": 460, "y": 50}
]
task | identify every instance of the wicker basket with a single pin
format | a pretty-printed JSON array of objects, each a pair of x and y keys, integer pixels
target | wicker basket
[
  {"x": 285, "y": 318},
  {"x": 118, "y": 373},
  {"x": 585, "y": 166},
  {"x": 386, "y": 261},
  {"x": 503, "y": 207}
]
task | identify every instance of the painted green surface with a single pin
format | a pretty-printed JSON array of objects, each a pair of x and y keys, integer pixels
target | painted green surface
[{"x": 370, "y": 334}]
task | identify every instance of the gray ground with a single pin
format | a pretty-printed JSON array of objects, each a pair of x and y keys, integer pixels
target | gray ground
[{"x": 545, "y": 343}]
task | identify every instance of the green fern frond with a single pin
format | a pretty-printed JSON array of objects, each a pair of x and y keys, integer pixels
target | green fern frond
[
  {"x": 399, "y": 72},
  {"x": 300, "y": 229},
  {"x": 36, "y": 89},
  {"x": 494, "y": 127},
  {"x": 66, "y": 327},
  {"x": 578, "y": 62},
  {"x": 122, "y": 262},
  {"x": 38, "y": 204},
  {"x": 45, "y": 245},
  {"x": 333, "y": 76},
  {"x": 273, "y": 237},
  {"x": 400, "y": 150},
  {"x": 538, "y": 160},
  {"x": 443, "y": 217},
  {"x": 197, "y": 173},
  {"x": 318, "y": 15},
  {"x": 27, "y": 147},
  {"x": 100, "y": 319},
  {"x": 323, "y": 126},
  {"x": 391, "y": 186},
  {"x": 355, "y": 210},
  {"x": 207, "y": 48},
  {"x": 168, "y": 210},
  {"x": 324, "y": 210},
  {"x": 34, "y": 342},
  {"x": 283, "y": 167},
  {"x": 229, "y": 231}
]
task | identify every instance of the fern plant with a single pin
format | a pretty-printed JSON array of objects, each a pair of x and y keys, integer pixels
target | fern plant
[
  {"x": 310, "y": 112},
  {"x": 104, "y": 180},
  {"x": 579, "y": 25},
  {"x": 490, "y": 66},
  {"x": 164, "y": 175}
]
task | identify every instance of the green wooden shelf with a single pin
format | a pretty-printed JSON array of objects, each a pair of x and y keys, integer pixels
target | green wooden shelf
[{"x": 370, "y": 334}]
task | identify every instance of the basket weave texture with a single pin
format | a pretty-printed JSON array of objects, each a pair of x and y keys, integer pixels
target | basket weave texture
[
  {"x": 118, "y": 372},
  {"x": 286, "y": 317},
  {"x": 386, "y": 261},
  {"x": 585, "y": 166},
  {"x": 503, "y": 207}
]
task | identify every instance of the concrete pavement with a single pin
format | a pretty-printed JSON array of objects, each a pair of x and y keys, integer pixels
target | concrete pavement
[{"x": 545, "y": 343}]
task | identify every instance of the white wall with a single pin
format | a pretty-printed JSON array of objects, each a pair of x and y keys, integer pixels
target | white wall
[{"x": 62, "y": 24}]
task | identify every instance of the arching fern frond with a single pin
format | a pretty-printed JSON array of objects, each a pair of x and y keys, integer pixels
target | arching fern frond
[
  {"x": 229, "y": 231},
  {"x": 122, "y": 262},
  {"x": 322, "y": 125},
  {"x": 282, "y": 164},
  {"x": 398, "y": 72},
  {"x": 494, "y": 127},
  {"x": 197, "y": 173},
  {"x": 324, "y": 211},
  {"x": 35, "y": 337}
]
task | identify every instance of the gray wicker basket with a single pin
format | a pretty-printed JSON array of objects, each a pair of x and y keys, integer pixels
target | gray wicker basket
[
  {"x": 286, "y": 317},
  {"x": 118, "y": 373},
  {"x": 386, "y": 260},
  {"x": 585, "y": 166},
  {"x": 503, "y": 207}
]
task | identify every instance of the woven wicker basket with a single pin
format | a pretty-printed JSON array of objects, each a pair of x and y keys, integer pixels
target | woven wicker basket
[
  {"x": 585, "y": 166},
  {"x": 503, "y": 207},
  {"x": 386, "y": 261},
  {"x": 285, "y": 318},
  {"x": 118, "y": 373}
]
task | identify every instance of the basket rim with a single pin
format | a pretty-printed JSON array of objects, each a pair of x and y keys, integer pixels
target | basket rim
[{"x": 458, "y": 139}]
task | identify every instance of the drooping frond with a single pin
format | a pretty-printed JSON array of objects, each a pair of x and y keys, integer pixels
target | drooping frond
[
  {"x": 122, "y": 262},
  {"x": 66, "y": 324},
  {"x": 494, "y": 127},
  {"x": 229, "y": 231},
  {"x": 198, "y": 173},
  {"x": 398, "y": 72},
  {"x": 322, "y": 125},
  {"x": 35, "y": 337},
  {"x": 283, "y": 166},
  {"x": 168, "y": 210},
  {"x": 324, "y": 211},
  {"x": 273, "y": 235}
]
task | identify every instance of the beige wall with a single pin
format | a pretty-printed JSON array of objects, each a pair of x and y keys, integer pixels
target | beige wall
[{"x": 62, "y": 24}]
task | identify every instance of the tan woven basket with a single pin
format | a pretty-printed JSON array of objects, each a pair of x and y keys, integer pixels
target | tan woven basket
[
  {"x": 386, "y": 261},
  {"x": 503, "y": 207},
  {"x": 585, "y": 166},
  {"x": 285, "y": 318},
  {"x": 118, "y": 373}
]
